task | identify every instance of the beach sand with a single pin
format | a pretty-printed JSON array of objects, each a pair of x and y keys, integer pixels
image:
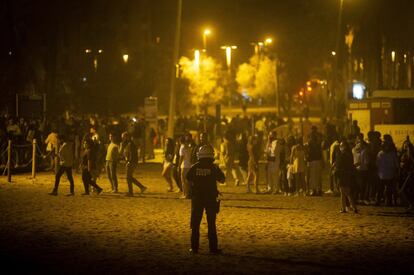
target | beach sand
[{"x": 150, "y": 233}]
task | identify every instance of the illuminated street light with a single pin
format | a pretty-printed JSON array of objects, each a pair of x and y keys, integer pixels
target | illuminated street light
[
  {"x": 393, "y": 56},
  {"x": 228, "y": 50},
  {"x": 197, "y": 60},
  {"x": 95, "y": 57},
  {"x": 268, "y": 41},
  {"x": 125, "y": 57},
  {"x": 206, "y": 32},
  {"x": 333, "y": 53}
]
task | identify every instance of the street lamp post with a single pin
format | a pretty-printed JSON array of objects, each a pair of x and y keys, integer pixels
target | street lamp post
[
  {"x": 335, "y": 55},
  {"x": 95, "y": 54},
  {"x": 259, "y": 48},
  {"x": 229, "y": 50},
  {"x": 174, "y": 67},
  {"x": 268, "y": 41},
  {"x": 206, "y": 33}
]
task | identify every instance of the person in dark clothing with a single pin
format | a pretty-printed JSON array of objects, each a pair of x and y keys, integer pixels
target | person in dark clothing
[
  {"x": 315, "y": 162},
  {"x": 203, "y": 177},
  {"x": 176, "y": 165},
  {"x": 66, "y": 155},
  {"x": 203, "y": 140},
  {"x": 374, "y": 147},
  {"x": 130, "y": 152},
  {"x": 89, "y": 166},
  {"x": 243, "y": 156},
  {"x": 406, "y": 189},
  {"x": 345, "y": 170}
]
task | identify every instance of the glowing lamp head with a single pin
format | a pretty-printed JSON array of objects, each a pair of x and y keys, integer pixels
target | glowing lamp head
[{"x": 125, "y": 57}]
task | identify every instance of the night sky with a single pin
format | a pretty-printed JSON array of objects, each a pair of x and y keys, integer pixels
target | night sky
[{"x": 54, "y": 34}]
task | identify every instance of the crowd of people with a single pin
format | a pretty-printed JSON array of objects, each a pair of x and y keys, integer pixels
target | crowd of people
[{"x": 364, "y": 170}]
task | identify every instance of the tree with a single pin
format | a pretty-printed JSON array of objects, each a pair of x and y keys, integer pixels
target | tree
[
  {"x": 258, "y": 77},
  {"x": 204, "y": 80}
]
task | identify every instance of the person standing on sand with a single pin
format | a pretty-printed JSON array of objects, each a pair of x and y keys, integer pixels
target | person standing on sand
[
  {"x": 89, "y": 166},
  {"x": 111, "y": 159},
  {"x": 130, "y": 153},
  {"x": 185, "y": 164},
  {"x": 273, "y": 150},
  {"x": 298, "y": 166},
  {"x": 203, "y": 177},
  {"x": 345, "y": 169},
  {"x": 253, "y": 149},
  {"x": 66, "y": 156},
  {"x": 168, "y": 163}
]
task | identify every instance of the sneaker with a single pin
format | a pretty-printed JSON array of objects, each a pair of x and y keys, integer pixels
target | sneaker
[
  {"x": 143, "y": 189},
  {"x": 53, "y": 193},
  {"x": 329, "y": 192},
  {"x": 342, "y": 211},
  {"x": 170, "y": 190},
  {"x": 223, "y": 184},
  {"x": 237, "y": 183},
  {"x": 183, "y": 197},
  {"x": 99, "y": 191}
]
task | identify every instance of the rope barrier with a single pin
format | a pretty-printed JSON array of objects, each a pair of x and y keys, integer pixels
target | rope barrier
[
  {"x": 4, "y": 152},
  {"x": 22, "y": 145},
  {"x": 39, "y": 150}
]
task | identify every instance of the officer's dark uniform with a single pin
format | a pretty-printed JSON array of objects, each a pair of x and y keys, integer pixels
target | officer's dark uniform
[{"x": 203, "y": 177}]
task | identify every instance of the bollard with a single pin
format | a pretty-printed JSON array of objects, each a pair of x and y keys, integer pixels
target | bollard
[
  {"x": 34, "y": 159},
  {"x": 9, "y": 161}
]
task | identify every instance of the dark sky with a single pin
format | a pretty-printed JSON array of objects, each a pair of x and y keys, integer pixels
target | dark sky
[{"x": 304, "y": 30}]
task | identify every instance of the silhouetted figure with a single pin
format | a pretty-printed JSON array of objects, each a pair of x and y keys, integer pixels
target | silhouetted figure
[{"x": 203, "y": 177}]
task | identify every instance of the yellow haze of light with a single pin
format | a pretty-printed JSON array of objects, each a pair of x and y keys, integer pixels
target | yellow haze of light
[
  {"x": 204, "y": 83},
  {"x": 257, "y": 77}
]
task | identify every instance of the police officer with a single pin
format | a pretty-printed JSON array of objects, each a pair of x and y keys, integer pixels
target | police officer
[{"x": 203, "y": 177}]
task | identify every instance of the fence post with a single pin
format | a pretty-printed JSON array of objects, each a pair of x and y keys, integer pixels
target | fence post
[
  {"x": 34, "y": 159},
  {"x": 9, "y": 161}
]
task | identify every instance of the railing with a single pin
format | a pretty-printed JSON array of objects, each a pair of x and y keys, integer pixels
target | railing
[{"x": 20, "y": 156}]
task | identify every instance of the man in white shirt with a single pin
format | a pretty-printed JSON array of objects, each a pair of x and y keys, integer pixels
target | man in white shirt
[
  {"x": 112, "y": 156},
  {"x": 273, "y": 164},
  {"x": 185, "y": 164}
]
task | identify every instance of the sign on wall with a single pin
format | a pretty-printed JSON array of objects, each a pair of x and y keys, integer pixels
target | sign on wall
[{"x": 399, "y": 132}]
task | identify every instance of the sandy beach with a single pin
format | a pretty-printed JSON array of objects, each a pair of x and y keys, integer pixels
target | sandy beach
[{"x": 150, "y": 233}]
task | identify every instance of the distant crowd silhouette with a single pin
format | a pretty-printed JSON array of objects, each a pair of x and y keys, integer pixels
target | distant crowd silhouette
[{"x": 288, "y": 158}]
